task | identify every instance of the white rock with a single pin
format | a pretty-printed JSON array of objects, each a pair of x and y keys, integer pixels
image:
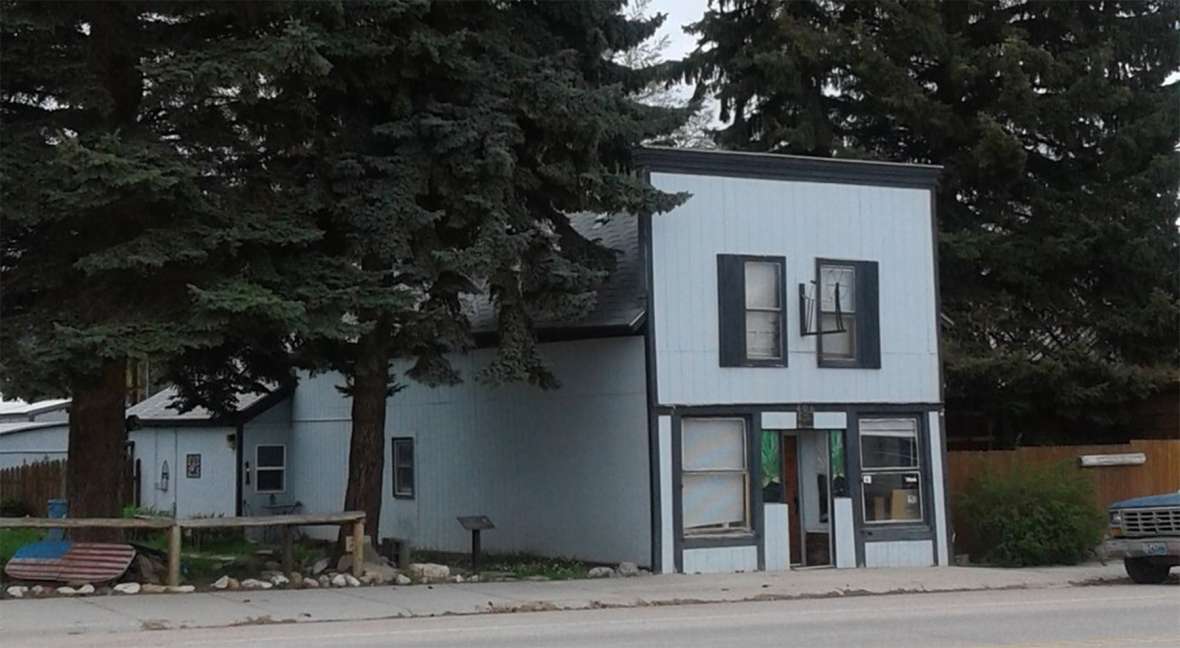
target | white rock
[
  {"x": 128, "y": 588},
  {"x": 38, "y": 590},
  {"x": 644, "y": 572},
  {"x": 66, "y": 591},
  {"x": 181, "y": 589},
  {"x": 474, "y": 578},
  {"x": 429, "y": 572},
  {"x": 324, "y": 580},
  {"x": 152, "y": 588},
  {"x": 402, "y": 579},
  {"x": 278, "y": 580},
  {"x": 351, "y": 580},
  {"x": 220, "y": 583},
  {"x": 310, "y": 583},
  {"x": 86, "y": 589},
  {"x": 17, "y": 591},
  {"x": 628, "y": 569},
  {"x": 319, "y": 566},
  {"x": 255, "y": 584},
  {"x": 339, "y": 581},
  {"x": 456, "y": 579},
  {"x": 600, "y": 572},
  {"x": 381, "y": 573}
]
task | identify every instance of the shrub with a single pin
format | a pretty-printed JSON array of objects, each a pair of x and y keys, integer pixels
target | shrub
[
  {"x": 14, "y": 507},
  {"x": 1033, "y": 515}
]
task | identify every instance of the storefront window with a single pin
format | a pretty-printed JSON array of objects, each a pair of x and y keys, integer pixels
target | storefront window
[{"x": 890, "y": 470}]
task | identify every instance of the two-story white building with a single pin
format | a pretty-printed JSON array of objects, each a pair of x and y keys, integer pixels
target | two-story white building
[{"x": 758, "y": 387}]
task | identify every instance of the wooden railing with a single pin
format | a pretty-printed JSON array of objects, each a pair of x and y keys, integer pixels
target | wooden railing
[{"x": 175, "y": 531}]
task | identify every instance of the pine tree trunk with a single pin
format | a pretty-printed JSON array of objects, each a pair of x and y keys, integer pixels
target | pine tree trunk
[
  {"x": 95, "y": 467},
  {"x": 366, "y": 451}
]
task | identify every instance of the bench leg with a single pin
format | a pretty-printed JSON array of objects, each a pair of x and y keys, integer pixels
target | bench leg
[{"x": 358, "y": 548}]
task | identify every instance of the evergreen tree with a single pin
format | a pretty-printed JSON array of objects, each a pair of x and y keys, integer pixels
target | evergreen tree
[
  {"x": 1058, "y": 127},
  {"x": 441, "y": 148},
  {"x": 124, "y": 228}
]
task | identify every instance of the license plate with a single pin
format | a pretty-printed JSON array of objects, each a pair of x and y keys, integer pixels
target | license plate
[{"x": 1155, "y": 549}]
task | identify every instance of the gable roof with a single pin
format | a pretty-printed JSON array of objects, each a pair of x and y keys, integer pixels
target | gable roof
[
  {"x": 19, "y": 408},
  {"x": 15, "y": 427},
  {"x": 157, "y": 410},
  {"x": 621, "y": 301}
]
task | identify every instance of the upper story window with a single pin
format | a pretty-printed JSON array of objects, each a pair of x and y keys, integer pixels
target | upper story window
[
  {"x": 848, "y": 314},
  {"x": 751, "y": 308}
]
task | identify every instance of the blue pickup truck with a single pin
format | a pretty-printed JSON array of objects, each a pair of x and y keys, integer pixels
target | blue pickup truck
[{"x": 1145, "y": 533}]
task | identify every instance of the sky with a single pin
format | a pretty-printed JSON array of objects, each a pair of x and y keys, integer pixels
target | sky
[{"x": 680, "y": 13}]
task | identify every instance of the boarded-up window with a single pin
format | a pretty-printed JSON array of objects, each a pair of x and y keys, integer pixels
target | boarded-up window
[{"x": 714, "y": 475}]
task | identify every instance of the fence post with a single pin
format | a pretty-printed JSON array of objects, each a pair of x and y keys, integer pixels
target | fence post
[
  {"x": 358, "y": 547},
  {"x": 174, "y": 554},
  {"x": 288, "y": 550}
]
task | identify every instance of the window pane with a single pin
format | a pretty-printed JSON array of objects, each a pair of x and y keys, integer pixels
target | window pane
[
  {"x": 403, "y": 453},
  {"x": 713, "y": 444},
  {"x": 270, "y": 456},
  {"x": 772, "y": 466},
  {"x": 889, "y": 443},
  {"x": 829, "y": 276},
  {"x": 762, "y": 335},
  {"x": 892, "y": 497},
  {"x": 714, "y": 500},
  {"x": 405, "y": 481},
  {"x": 270, "y": 480},
  {"x": 762, "y": 289},
  {"x": 840, "y": 345}
]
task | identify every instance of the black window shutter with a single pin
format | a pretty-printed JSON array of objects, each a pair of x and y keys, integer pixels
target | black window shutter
[
  {"x": 731, "y": 309},
  {"x": 868, "y": 315}
]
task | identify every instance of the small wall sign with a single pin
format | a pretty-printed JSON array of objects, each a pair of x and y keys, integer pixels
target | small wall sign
[
  {"x": 1124, "y": 459},
  {"x": 192, "y": 466}
]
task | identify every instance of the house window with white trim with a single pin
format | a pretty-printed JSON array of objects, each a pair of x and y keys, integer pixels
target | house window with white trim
[
  {"x": 715, "y": 476},
  {"x": 891, "y": 470},
  {"x": 270, "y": 468}
]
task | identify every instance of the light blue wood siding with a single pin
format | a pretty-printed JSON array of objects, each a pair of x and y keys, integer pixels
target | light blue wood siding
[
  {"x": 29, "y": 446},
  {"x": 211, "y": 494},
  {"x": 901, "y": 553},
  {"x": 560, "y": 472},
  {"x": 718, "y": 560},
  {"x": 801, "y": 221}
]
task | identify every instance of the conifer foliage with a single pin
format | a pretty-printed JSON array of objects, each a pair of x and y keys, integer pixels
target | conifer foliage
[{"x": 1057, "y": 124}]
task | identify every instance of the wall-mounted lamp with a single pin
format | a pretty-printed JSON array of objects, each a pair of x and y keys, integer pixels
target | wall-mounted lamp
[{"x": 164, "y": 477}]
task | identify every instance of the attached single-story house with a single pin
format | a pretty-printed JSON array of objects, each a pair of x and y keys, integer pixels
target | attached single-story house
[{"x": 759, "y": 386}]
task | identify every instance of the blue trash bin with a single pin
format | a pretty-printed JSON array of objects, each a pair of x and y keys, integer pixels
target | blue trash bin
[{"x": 58, "y": 508}]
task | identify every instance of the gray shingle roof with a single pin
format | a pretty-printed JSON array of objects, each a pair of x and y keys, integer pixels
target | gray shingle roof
[
  {"x": 621, "y": 300},
  {"x": 25, "y": 426},
  {"x": 159, "y": 407}
]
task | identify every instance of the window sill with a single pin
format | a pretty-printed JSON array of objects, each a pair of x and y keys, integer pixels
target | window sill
[
  {"x": 745, "y": 364},
  {"x": 888, "y": 531},
  {"x": 842, "y": 364},
  {"x": 706, "y": 540},
  {"x": 403, "y": 496}
]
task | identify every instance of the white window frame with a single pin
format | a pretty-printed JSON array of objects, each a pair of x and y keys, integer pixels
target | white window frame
[
  {"x": 259, "y": 468},
  {"x": 780, "y": 309},
  {"x": 746, "y": 526},
  {"x": 916, "y": 469}
]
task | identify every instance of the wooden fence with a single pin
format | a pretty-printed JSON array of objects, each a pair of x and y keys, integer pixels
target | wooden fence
[
  {"x": 34, "y": 484},
  {"x": 1159, "y": 474}
]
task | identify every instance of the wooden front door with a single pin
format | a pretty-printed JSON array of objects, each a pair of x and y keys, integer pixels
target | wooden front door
[{"x": 791, "y": 494}]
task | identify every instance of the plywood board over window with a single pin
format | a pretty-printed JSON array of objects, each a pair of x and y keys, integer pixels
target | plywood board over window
[{"x": 715, "y": 475}]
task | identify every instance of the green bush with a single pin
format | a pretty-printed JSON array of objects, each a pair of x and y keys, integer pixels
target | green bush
[{"x": 1032, "y": 515}]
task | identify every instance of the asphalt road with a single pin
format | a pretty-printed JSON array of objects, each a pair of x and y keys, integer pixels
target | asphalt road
[{"x": 1100, "y": 616}]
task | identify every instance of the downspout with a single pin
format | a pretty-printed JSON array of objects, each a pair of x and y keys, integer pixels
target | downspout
[{"x": 239, "y": 450}]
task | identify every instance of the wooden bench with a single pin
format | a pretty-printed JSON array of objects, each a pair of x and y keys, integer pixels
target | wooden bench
[{"x": 175, "y": 531}]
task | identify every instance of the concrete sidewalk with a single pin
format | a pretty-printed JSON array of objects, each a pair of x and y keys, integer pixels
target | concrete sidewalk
[{"x": 23, "y": 620}]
